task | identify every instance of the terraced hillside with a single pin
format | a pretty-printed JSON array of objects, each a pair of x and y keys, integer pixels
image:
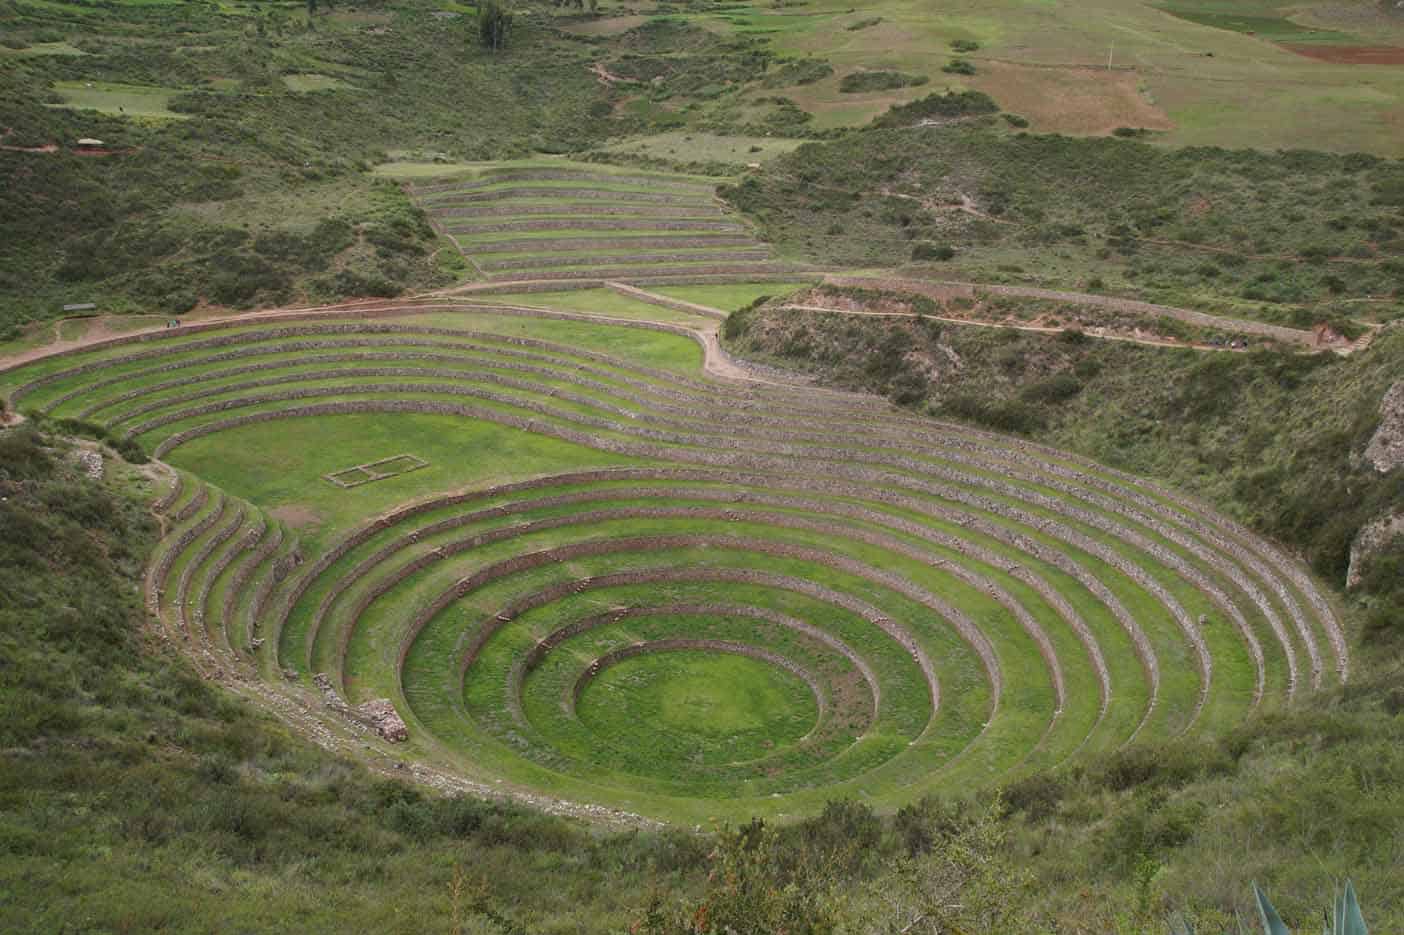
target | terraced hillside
[
  {"x": 579, "y": 223},
  {"x": 582, "y": 568}
]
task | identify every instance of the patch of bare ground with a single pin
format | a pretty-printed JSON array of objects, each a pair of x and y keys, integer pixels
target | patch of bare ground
[
  {"x": 298, "y": 517},
  {"x": 1082, "y": 100}
]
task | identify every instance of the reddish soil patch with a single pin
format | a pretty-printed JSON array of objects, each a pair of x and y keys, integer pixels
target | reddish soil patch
[
  {"x": 1070, "y": 99},
  {"x": 1352, "y": 54}
]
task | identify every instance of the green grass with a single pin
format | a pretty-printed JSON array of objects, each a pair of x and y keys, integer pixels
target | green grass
[
  {"x": 681, "y": 146},
  {"x": 596, "y": 301},
  {"x": 728, "y": 297},
  {"x": 250, "y": 463},
  {"x": 1262, "y": 19},
  {"x": 421, "y": 170},
  {"x": 704, "y": 706},
  {"x": 304, "y": 84},
  {"x": 44, "y": 48},
  {"x": 119, "y": 99}
]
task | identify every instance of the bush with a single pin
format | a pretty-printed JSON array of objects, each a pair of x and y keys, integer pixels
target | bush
[
  {"x": 494, "y": 24},
  {"x": 1001, "y": 415},
  {"x": 1014, "y": 120},
  {"x": 1055, "y": 389},
  {"x": 958, "y": 66},
  {"x": 965, "y": 45},
  {"x": 936, "y": 106},
  {"x": 1037, "y": 796},
  {"x": 804, "y": 71},
  {"x": 860, "y": 81},
  {"x": 926, "y": 251}
]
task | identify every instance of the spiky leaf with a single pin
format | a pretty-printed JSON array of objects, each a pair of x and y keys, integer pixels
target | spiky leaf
[
  {"x": 1272, "y": 922},
  {"x": 1349, "y": 921}
]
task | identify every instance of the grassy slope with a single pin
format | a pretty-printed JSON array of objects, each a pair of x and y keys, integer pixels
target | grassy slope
[
  {"x": 1207, "y": 85},
  {"x": 261, "y": 196},
  {"x": 1292, "y": 237},
  {"x": 1271, "y": 438},
  {"x": 146, "y": 800},
  {"x": 137, "y": 797}
]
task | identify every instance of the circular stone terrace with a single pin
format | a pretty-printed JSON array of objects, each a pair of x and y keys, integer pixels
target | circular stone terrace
[{"x": 583, "y": 568}]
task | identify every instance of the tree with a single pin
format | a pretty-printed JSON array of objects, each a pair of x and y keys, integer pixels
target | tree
[{"x": 494, "y": 24}]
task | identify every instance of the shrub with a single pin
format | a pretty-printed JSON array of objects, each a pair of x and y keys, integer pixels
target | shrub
[
  {"x": 958, "y": 66},
  {"x": 860, "y": 81},
  {"x": 804, "y": 71},
  {"x": 965, "y": 45},
  {"x": 494, "y": 24},
  {"x": 1037, "y": 796},
  {"x": 864, "y": 23},
  {"x": 926, "y": 251},
  {"x": 1054, "y": 389},
  {"x": 1014, "y": 120},
  {"x": 935, "y": 106},
  {"x": 1001, "y": 415}
]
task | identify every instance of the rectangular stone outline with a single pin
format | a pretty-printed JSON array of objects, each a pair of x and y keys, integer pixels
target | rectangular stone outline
[{"x": 372, "y": 475}]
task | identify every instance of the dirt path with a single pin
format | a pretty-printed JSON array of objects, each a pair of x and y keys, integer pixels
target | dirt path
[
  {"x": 1038, "y": 329},
  {"x": 942, "y": 290},
  {"x": 716, "y": 362}
]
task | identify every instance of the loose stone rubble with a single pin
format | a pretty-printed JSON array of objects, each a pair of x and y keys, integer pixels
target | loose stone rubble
[{"x": 378, "y": 715}]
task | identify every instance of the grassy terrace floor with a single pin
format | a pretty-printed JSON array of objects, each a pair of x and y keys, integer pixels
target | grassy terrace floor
[
  {"x": 620, "y": 582},
  {"x": 545, "y": 220}
]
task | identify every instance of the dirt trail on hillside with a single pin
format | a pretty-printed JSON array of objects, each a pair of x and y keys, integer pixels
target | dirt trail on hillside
[
  {"x": 1037, "y": 329},
  {"x": 716, "y": 361},
  {"x": 941, "y": 291}
]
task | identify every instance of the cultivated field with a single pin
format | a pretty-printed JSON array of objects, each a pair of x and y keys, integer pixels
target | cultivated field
[
  {"x": 580, "y": 568},
  {"x": 1255, "y": 73},
  {"x": 544, "y": 222}
]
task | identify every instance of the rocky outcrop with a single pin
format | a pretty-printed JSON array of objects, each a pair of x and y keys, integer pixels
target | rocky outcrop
[
  {"x": 1385, "y": 452},
  {"x": 1371, "y": 538},
  {"x": 89, "y": 462}
]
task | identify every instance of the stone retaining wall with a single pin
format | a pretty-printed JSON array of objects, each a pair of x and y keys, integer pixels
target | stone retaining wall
[
  {"x": 594, "y": 224},
  {"x": 575, "y": 194},
  {"x": 535, "y": 261},
  {"x": 499, "y": 178},
  {"x": 508, "y": 209}
]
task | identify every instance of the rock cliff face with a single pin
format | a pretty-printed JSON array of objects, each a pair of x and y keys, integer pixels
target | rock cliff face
[
  {"x": 1371, "y": 538},
  {"x": 1386, "y": 449}
]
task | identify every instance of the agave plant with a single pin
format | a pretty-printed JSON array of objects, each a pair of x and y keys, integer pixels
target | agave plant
[{"x": 1345, "y": 919}]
